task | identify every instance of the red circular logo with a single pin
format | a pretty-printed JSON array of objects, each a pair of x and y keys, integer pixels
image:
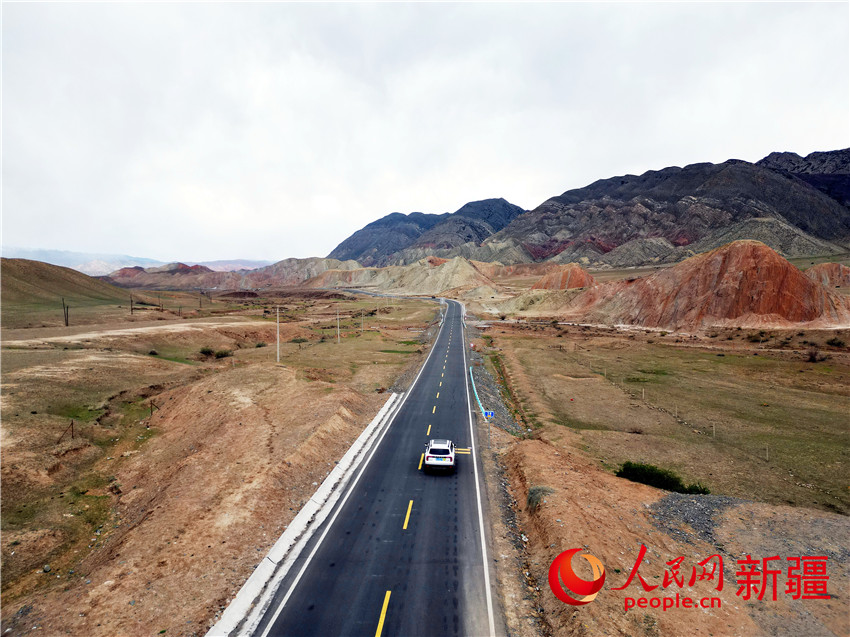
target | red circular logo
[{"x": 587, "y": 590}]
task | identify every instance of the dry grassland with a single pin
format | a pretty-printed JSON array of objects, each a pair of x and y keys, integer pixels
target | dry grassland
[{"x": 770, "y": 430}]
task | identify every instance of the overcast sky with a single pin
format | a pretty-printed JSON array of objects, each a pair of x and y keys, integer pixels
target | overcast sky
[{"x": 264, "y": 131}]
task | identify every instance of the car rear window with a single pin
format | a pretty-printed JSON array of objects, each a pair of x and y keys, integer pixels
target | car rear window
[{"x": 439, "y": 452}]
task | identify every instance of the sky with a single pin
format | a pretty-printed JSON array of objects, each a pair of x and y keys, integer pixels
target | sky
[{"x": 201, "y": 131}]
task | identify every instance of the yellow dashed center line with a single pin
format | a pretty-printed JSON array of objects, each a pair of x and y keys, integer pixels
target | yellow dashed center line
[
  {"x": 407, "y": 517},
  {"x": 441, "y": 375},
  {"x": 428, "y": 433},
  {"x": 383, "y": 615},
  {"x": 434, "y": 411},
  {"x": 441, "y": 383},
  {"x": 438, "y": 394},
  {"x": 421, "y": 458}
]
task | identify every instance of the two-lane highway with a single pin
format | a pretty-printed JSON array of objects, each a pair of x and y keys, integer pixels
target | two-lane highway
[{"x": 404, "y": 553}]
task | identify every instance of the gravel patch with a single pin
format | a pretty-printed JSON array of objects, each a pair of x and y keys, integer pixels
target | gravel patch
[
  {"x": 699, "y": 512},
  {"x": 488, "y": 388}
]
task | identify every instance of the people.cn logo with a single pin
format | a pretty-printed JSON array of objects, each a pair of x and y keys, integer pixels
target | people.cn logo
[{"x": 586, "y": 591}]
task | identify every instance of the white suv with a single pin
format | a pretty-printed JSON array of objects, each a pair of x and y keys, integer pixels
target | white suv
[{"x": 440, "y": 454}]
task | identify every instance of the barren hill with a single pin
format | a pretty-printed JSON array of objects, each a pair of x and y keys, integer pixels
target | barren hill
[
  {"x": 743, "y": 284},
  {"x": 26, "y": 282},
  {"x": 429, "y": 276},
  {"x": 285, "y": 273},
  {"x": 567, "y": 277},
  {"x": 831, "y": 275}
]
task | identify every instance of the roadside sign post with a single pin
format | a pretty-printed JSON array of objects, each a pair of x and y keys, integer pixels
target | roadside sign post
[{"x": 278, "y": 334}]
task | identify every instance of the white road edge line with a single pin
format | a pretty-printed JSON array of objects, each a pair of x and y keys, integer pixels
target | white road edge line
[
  {"x": 469, "y": 412},
  {"x": 350, "y": 491}
]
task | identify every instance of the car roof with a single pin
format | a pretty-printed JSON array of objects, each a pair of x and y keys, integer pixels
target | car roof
[{"x": 440, "y": 442}]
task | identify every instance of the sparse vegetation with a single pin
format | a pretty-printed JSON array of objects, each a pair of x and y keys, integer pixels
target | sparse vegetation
[
  {"x": 223, "y": 353},
  {"x": 207, "y": 351},
  {"x": 657, "y": 477},
  {"x": 536, "y": 494},
  {"x": 835, "y": 342},
  {"x": 813, "y": 354}
]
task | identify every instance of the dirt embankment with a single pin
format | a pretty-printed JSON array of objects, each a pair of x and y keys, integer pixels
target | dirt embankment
[
  {"x": 237, "y": 456},
  {"x": 611, "y": 518}
]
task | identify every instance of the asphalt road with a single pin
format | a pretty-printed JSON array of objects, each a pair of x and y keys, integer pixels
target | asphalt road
[{"x": 403, "y": 554}]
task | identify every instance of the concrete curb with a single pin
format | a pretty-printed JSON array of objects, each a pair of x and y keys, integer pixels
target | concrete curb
[{"x": 247, "y": 608}]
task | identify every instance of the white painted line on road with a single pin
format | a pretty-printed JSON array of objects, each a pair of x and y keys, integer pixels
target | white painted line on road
[{"x": 490, "y": 617}]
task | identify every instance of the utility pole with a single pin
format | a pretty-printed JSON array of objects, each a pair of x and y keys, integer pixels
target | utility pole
[{"x": 278, "y": 334}]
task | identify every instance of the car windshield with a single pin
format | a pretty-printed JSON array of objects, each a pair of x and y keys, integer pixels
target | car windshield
[{"x": 439, "y": 452}]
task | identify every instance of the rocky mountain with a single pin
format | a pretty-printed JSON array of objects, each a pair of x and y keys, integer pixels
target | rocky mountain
[
  {"x": 179, "y": 276},
  {"x": 682, "y": 206},
  {"x": 399, "y": 239},
  {"x": 799, "y": 206},
  {"x": 742, "y": 284},
  {"x": 828, "y": 172}
]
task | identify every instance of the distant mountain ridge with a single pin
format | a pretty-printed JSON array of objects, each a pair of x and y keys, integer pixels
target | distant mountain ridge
[
  {"x": 799, "y": 206},
  {"x": 99, "y": 264},
  {"x": 397, "y": 239},
  {"x": 179, "y": 276}
]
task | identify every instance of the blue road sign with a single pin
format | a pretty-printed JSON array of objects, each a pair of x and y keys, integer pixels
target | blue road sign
[{"x": 489, "y": 414}]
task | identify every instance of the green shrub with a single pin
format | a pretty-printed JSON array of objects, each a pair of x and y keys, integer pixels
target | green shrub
[
  {"x": 657, "y": 477},
  {"x": 536, "y": 495},
  {"x": 835, "y": 342},
  {"x": 207, "y": 351},
  {"x": 262, "y": 344},
  {"x": 223, "y": 353},
  {"x": 298, "y": 339}
]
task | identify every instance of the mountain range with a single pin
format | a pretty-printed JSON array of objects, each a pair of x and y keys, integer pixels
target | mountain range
[
  {"x": 99, "y": 264},
  {"x": 799, "y": 206}
]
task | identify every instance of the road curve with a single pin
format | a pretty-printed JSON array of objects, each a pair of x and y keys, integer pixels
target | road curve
[{"x": 403, "y": 555}]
